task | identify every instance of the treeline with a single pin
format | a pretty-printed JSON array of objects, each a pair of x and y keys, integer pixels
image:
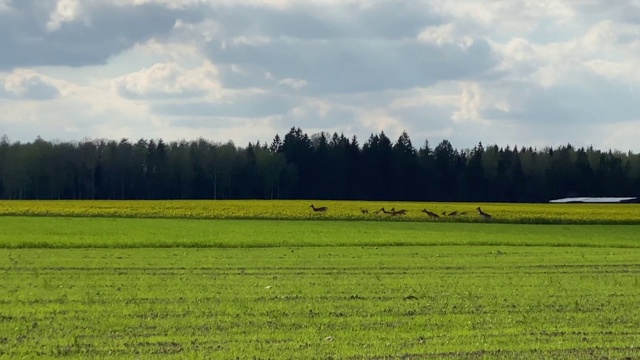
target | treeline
[{"x": 321, "y": 166}]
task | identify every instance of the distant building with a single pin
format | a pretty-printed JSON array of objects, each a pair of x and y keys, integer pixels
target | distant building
[{"x": 596, "y": 200}]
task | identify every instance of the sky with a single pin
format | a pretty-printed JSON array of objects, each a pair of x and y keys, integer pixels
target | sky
[{"x": 506, "y": 72}]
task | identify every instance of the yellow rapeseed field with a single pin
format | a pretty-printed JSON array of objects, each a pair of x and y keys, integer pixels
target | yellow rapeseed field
[{"x": 336, "y": 210}]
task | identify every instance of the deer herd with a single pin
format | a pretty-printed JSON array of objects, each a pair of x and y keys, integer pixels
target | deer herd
[{"x": 394, "y": 212}]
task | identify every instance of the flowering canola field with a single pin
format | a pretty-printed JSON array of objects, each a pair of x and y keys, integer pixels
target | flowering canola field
[{"x": 336, "y": 210}]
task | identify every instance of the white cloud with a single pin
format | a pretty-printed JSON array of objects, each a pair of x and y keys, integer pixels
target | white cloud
[
  {"x": 83, "y": 111},
  {"x": 251, "y": 40},
  {"x": 293, "y": 83},
  {"x": 169, "y": 80},
  {"x": 27, "y": 84},
  {"x": 65, "y": 11},
  {"x": 606, "y": 35},
  {"x": 514, "y": 16},
  {"x": 172, "y": 4},
  {"x": 378, "y": 120},
  {"x": 167, "y": 50},
  {"x": 470, "y": 104},
  {"x": 187, "y": 32},
  {"x": 622, "y": 72},
  {"x": 444, "y": 34}
]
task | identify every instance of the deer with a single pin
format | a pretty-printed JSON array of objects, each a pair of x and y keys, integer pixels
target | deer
[
  {"x": 431, "y": 214},
  {"x": 364, "y": 211},
  {"x": 320, "y": 209},
  {"x": 483, "y": 214},
  {"x": 399, "y": 212},
  {"x": 453, "y": 213},
  {"x": 384, "y": 211}
]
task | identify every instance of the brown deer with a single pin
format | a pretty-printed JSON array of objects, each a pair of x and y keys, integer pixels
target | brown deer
[
  {"x": 320, "y": 209},
  {"x": 431, "y": 214},
  {"x": 392, "y": 212},
  {"x": 483, "y": 214},
  {"x": 364, "y": 211}
]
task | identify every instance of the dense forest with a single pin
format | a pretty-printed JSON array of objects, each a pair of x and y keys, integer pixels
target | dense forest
[{"x": 321, "y": 166}]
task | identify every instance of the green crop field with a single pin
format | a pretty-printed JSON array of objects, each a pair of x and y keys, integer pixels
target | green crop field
[
  {"x": 337, "y": 210},
  {"x": 86, "y": 287},
  {"x": 58, "y": 232}
]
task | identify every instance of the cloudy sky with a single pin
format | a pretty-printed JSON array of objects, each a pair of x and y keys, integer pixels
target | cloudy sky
[{"x": 506, "y": 72}]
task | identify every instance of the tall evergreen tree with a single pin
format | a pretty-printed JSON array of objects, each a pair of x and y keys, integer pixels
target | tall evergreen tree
[{"x": 322, "y": 166}]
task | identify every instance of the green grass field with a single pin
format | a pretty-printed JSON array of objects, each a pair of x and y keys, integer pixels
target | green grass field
[
  {"x": 346, "y": 302},
  {"x": 58, "y": 232},
  {"x": 225, "y": 289}
]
